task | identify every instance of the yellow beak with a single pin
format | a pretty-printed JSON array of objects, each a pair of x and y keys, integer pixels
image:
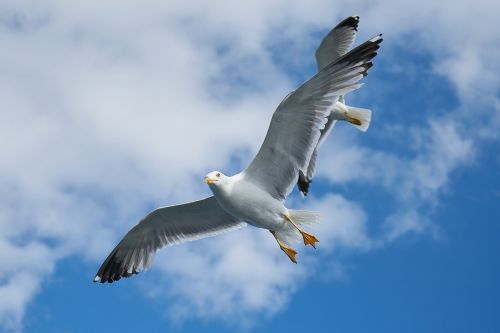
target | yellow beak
[{"x": 209, "y": 181}]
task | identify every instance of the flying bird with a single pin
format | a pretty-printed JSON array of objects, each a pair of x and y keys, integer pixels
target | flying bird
[{"x": 256, "y": 196}]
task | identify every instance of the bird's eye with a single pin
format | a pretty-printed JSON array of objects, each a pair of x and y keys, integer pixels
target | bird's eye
[{"x": 218, "y": 174}]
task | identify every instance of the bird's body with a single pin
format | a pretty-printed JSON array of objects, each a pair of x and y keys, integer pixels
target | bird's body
[
  {"x": 256, "y": 196},
  {"x": 245, "y": 200}
]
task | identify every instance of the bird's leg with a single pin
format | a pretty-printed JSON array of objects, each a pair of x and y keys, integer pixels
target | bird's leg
[
  {"x": 352, "y": 120},
  {"x": 291, "y": 253},
  {"x": 309, "y": 239}
]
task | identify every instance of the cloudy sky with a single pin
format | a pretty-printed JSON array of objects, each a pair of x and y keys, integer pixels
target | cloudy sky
[{"x": 109, "y": 109}]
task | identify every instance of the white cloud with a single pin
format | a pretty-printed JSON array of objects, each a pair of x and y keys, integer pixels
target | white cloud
[
  {"x": 407, "y": 221},
  {"x": 415, "y": 181},
  {"x": 22, "y": 266},
  {"x": 111, "y": 108},
  {"x": 343, "y": 223}
]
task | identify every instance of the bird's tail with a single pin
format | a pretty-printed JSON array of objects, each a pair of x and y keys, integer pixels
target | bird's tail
[
  {"x": 304, "y": 217},
  {"x": 358, "y": 117},
  {"x": 289, "y": 234}
]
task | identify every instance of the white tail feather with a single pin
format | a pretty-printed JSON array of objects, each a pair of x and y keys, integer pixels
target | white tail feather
[
  {"x": 302, "y": 217},
  {"x": 363, "y": 115},
  {"x": 289, "y": 234}
]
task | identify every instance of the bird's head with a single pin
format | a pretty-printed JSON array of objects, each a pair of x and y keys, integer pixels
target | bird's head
[{"x": 214, "y": 178}]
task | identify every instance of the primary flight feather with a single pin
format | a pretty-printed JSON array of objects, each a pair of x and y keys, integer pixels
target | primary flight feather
[{"x": 256, "y": 196}]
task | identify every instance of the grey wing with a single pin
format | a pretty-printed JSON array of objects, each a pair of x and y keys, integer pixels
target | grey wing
[
  {"x": 164, "y": 226},
  {"x": 337, "y": 42},
  {"x": 297, "y": 122},
  {"x": 305, "y": 179}
]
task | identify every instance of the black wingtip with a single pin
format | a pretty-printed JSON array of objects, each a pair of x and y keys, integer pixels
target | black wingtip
[
  {"x": 351, "y": 22},
  {"x": 367, "y": 66},
  {"x": 113, "y": 269},
  {"x": 364, "y": 52},
  {"x": 303, "y": 184}
]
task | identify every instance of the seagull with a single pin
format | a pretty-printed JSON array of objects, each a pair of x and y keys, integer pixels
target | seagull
[{"x": 256, "y": 196}]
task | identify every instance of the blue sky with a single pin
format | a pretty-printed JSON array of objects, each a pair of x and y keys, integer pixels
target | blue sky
[{"x": 104, "y": 117}]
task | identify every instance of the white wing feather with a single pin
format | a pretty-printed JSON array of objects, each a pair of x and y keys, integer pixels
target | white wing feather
[{"x": 164, "y": 226}]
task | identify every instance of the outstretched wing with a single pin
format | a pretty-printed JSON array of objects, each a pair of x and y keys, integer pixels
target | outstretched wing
[
  {"x": 338, "y": 42},
  {"x": 335, "y": 44},
  {"x": 164, "y": 226},
  {"x": 297, "y": 122}
]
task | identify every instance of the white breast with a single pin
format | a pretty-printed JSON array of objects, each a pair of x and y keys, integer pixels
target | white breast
[{"x": 250, "y": 203}]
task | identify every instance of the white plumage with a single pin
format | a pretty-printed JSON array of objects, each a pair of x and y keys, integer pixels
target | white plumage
[{"x": 257, "y": 194}]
